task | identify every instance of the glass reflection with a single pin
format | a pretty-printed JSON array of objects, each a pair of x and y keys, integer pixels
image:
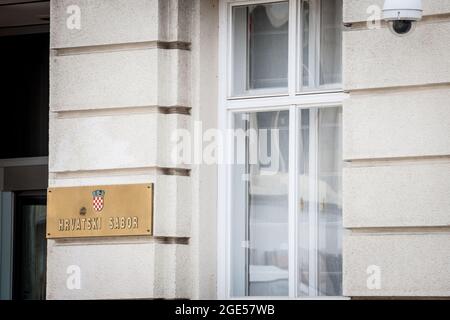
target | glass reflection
[{"x": 260, "y": 206}]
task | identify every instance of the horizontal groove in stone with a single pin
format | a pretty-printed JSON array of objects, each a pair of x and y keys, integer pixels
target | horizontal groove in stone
[
  {"x": 168, "y": 45},
  {"x": 373, "y": 162},
  {"x": 414, "y": 88},
  {"x": 171, "y": 240},
  {"x": 363, "y": 25},
  {"x": 100, "y": 112},
  {"x": 175, "y": 110},
  {"x": 400, "y": 297},
  {"x": 121, "y": 172},
  {"x": 121, "y": 240},
  {"x": 398, "y": 230},
  {"x": 174, "y": 172}
]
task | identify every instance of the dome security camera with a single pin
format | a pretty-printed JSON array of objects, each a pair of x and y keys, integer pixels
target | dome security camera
[{"x": 402, "y": 15}]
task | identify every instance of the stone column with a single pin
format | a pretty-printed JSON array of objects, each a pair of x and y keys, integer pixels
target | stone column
[{"x": 121, "y": 83}]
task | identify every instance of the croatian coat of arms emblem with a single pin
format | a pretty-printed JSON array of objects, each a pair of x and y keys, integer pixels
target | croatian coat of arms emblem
[{"x": 98, "y": 201}]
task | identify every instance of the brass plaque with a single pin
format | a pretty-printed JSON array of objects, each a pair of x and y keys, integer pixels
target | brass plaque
[{"x": 100, "y": 211}]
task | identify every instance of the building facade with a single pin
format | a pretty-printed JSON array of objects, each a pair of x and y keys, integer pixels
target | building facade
[{"x": 353, "y": 200}]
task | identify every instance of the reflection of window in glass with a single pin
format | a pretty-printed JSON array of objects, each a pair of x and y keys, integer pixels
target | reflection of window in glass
[
  {"x": 330, "y": 42},
  {"x": 305, "y": 43},
  {"x": 260, "y": 207},
  {"x": 321, "y": 44},
  {"x": 320, "y": 210},
  {"x": 285, "y": 212},
  {"x": 260, "y": 48},
  {"x": 260, "y": 210}
]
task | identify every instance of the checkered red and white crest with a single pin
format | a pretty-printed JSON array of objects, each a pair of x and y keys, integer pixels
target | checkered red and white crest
[{"x": 98, "y": 200}]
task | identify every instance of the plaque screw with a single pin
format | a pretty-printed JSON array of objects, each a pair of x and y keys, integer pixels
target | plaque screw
[{"x": 83, "y": 211}]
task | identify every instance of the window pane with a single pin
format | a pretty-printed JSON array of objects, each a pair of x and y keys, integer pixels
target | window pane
[
  {"x": 260, "y": 48},
  {"x": 259, "y": 235},
  {"x": 303, "y": 212},
  {"x": 331, "y": 42},
  {"x": 330, "y": 202},
  {"x": 320, "y": 208},
  {"x": 321, "y": 44},
  {"x": 305, "y": 21}
]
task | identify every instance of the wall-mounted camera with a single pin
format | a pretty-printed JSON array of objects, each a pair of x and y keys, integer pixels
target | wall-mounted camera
[{"x": 402, "y": 15}]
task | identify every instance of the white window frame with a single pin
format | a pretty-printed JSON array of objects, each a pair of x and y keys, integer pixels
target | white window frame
[{"x": 293, "y": 101}]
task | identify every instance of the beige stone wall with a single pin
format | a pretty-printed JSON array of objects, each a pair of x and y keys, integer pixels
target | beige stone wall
[
  {"x": 120, "y": 86},
  {"x": 397, "y": 153}
]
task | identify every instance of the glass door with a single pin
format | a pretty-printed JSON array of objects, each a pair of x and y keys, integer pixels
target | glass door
[{"x": 30, "y": 247}]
